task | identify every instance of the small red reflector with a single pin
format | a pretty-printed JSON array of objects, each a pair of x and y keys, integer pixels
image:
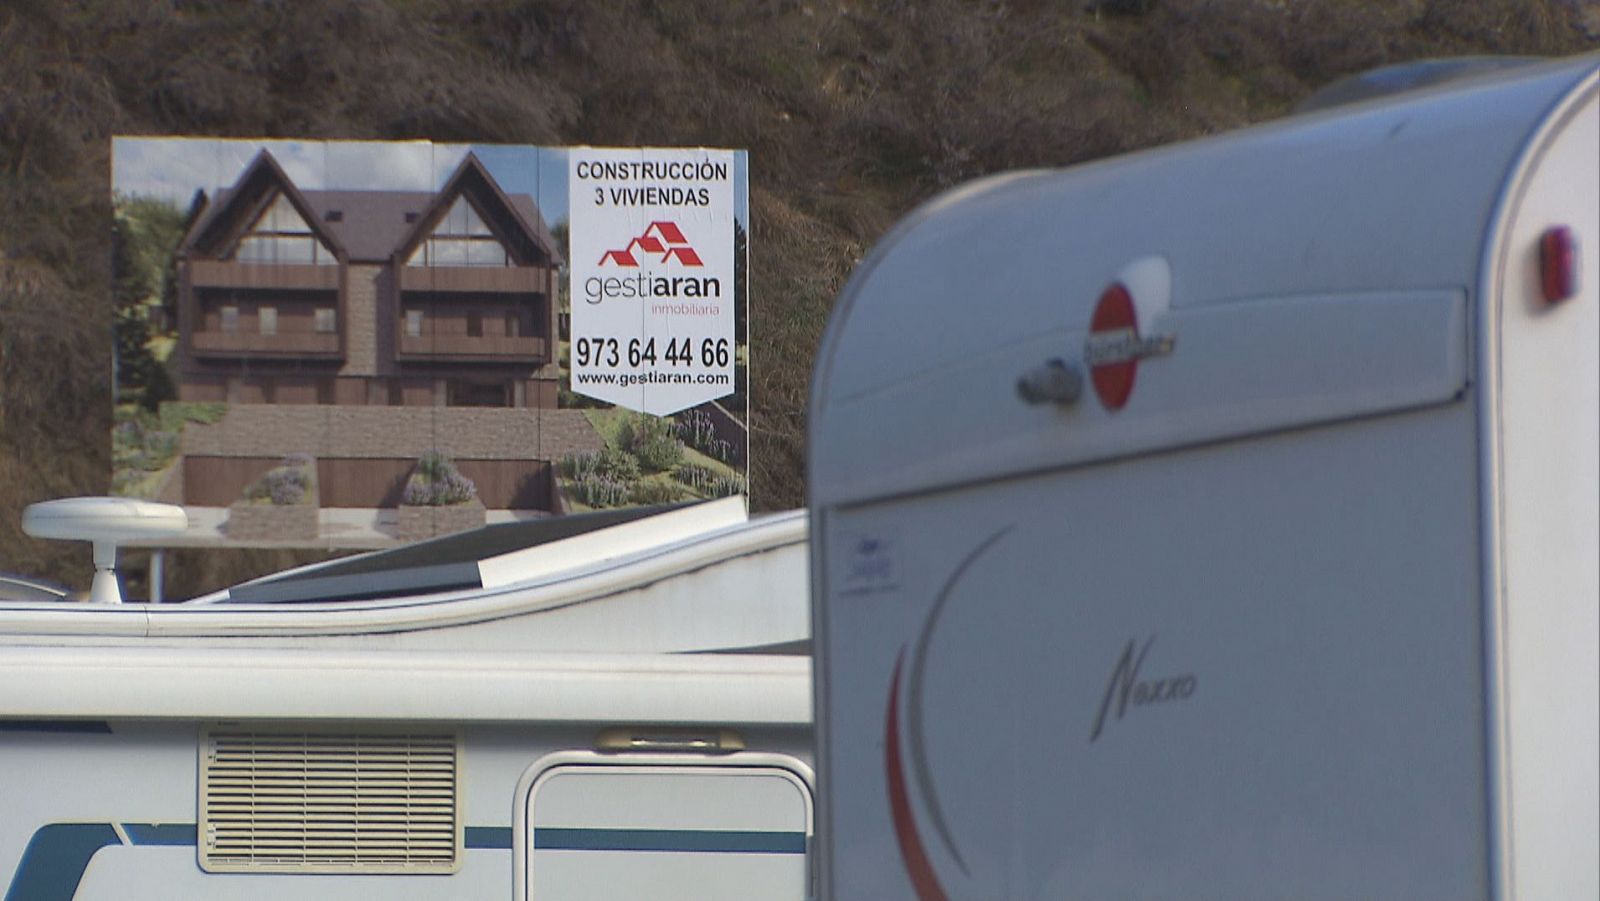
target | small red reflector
[{"x": 1558, "y": 263}]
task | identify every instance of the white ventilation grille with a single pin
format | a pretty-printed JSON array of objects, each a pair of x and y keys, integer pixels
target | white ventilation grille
[{"x": 332, "y": 802}]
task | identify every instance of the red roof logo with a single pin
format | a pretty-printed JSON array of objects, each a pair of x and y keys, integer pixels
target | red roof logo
[{"x": 663, "y": 240}]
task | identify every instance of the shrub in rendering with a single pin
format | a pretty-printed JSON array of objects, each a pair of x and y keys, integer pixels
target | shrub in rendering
[
  {"x": 696, "y": 429},
  {"x": 283, "y": 485},
  {"x": 437, "y": 483},
  {"x": 279, "y": 506},
  {"x": 607, "y": 463},
  {"x": 656, "y": 492},
  {"x": 653, "y": 441},
  {"x": 599, "y": 492}
]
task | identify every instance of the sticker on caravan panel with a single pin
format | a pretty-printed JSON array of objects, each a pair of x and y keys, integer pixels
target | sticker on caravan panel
[{"x": 869, "y": 565}]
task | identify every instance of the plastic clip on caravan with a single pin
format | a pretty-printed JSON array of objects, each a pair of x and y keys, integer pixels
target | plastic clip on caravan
[{"x": 1300, "y": 600}]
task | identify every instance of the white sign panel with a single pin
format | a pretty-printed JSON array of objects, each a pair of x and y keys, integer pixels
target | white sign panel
[{"x": 652, "y": 276}]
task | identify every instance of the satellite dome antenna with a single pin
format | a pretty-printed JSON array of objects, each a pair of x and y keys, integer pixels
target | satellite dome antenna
[{"x": 105, "y": 522}]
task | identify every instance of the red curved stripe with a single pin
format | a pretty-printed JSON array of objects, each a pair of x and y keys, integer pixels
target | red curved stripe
[{"x": 916, "y": 860}]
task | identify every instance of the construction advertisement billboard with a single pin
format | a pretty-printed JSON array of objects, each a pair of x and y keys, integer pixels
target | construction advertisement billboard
[
  {"x": 344, "y": 344},
  {"x": 652, "y": 271}
]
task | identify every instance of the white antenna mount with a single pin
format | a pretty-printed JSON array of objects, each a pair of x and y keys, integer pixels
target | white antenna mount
[{"x": 106, "y": 522}]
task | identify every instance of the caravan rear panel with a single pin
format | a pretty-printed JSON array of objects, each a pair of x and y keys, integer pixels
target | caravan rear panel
[{"x": 1219, "y": 522}]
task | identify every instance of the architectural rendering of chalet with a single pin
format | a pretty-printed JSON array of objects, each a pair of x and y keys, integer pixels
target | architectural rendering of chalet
[
  {"x": 359, "y": 332},
  {"x": 372, "y": 298}
]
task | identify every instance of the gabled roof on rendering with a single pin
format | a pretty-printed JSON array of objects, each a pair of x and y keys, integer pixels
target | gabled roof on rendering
[
  {"x": 221, "y": 222},
  {"x": 372, "y": 226},
  {"x": 515, "y": 219}
]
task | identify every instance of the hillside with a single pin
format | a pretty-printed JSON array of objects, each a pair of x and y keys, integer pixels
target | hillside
[{"x": 852, "y": 111}]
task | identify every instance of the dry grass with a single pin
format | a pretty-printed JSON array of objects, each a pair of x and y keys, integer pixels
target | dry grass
[{"x": 854, "y": 110}]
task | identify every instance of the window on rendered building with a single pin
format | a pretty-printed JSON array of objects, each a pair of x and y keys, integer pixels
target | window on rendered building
[
  {"x": 280, "y": 236},
  {"x": 461, "y": 239}
]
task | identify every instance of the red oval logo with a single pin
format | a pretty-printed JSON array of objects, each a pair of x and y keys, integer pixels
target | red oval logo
[
  {"x": 1114, "y": 347},
  {"x": 1113, "y": 328}
]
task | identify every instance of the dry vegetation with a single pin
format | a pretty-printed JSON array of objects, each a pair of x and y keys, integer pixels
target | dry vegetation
[{"x": 853, "y": 111}]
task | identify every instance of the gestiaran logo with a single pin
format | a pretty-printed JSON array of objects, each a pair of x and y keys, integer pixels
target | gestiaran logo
[
  {"x": 662, "y": 243},
  {"x": 664, "y": 239}
]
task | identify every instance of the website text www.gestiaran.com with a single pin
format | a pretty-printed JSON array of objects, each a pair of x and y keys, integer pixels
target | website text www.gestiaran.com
[{"x": 650, "y": 377}]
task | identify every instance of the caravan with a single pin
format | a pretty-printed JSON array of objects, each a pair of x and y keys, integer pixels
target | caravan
[
  {"x": 612, "y": 713},
  {"x": 1221, "y": 521}
]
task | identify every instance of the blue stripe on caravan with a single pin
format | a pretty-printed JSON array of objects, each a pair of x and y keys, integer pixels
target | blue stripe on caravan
[
  {"x": 723, "y": 841},
  {"x": 58, "y": 854},
  {"x": 161, "y": 833},
  {"x": 53, "y": 863},
  {"x": 490, "y": 838}
]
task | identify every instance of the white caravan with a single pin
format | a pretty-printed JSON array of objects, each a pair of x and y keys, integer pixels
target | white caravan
[
  {"x": 620, "y": 713},
  {"x": 1220, "y": 521}
]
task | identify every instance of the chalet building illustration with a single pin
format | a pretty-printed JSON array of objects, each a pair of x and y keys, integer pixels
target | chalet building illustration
[
  {"x": 365, "y": 329},
  {"x": 379, "y": 298}
]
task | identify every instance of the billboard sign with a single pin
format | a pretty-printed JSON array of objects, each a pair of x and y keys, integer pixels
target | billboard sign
[
  {"x": 652, "y": 276},
  {"x": 348, "y": 344}
]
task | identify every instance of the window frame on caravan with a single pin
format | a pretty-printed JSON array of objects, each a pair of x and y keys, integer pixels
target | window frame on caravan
[{"x": 746, "y": 764}]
